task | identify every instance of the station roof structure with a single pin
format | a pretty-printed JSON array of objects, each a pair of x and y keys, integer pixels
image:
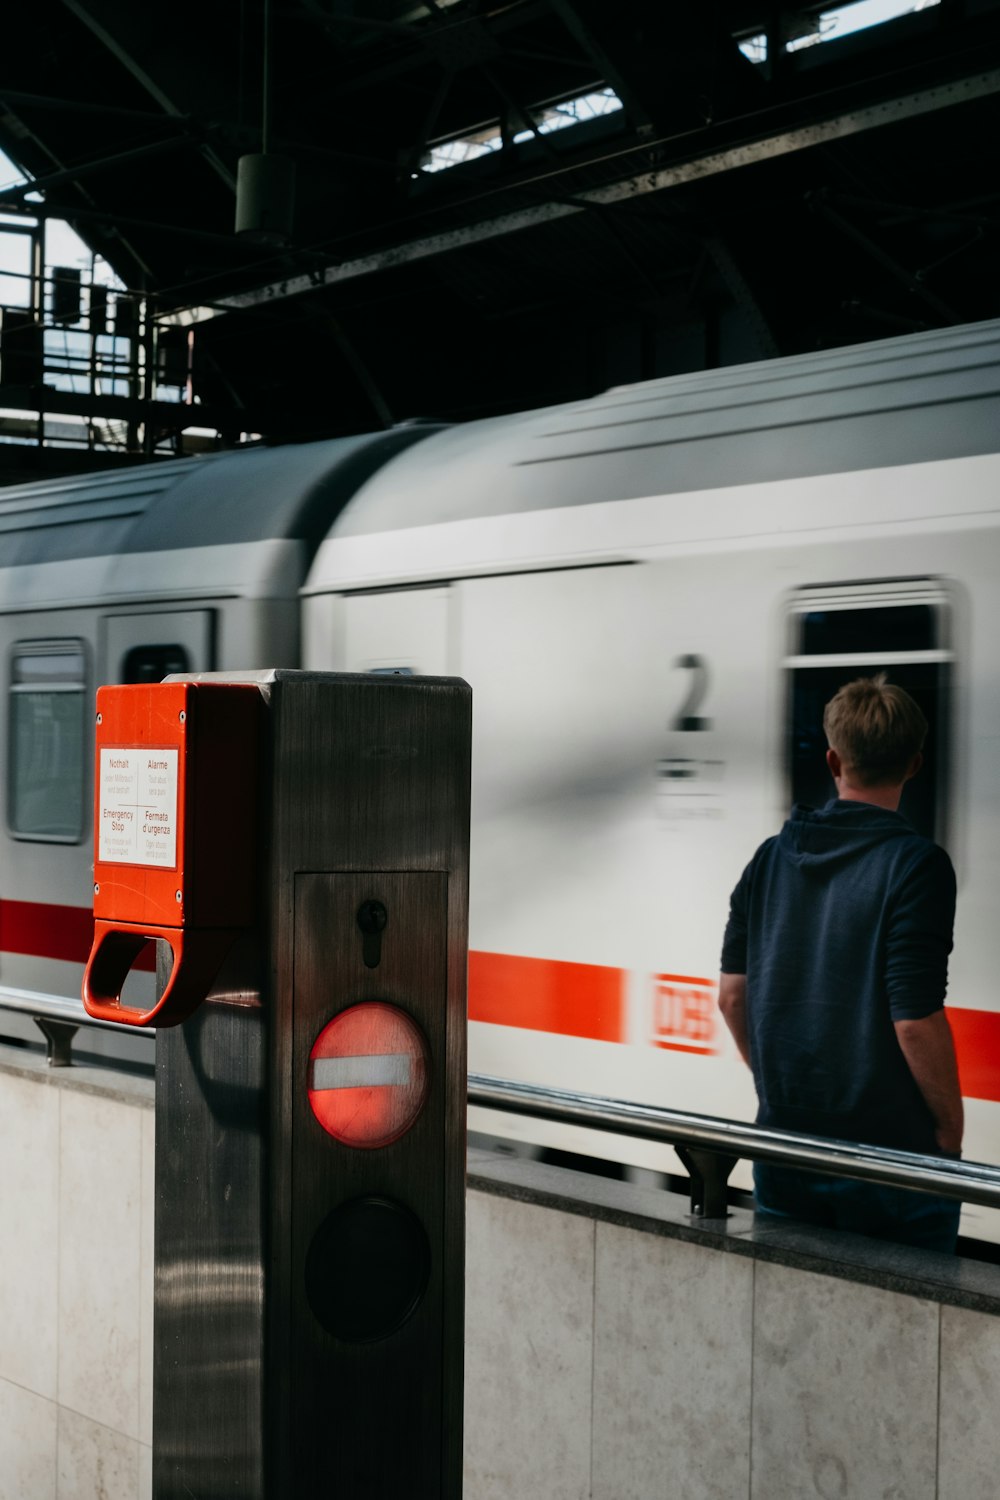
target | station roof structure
[{"x": 498, "y": 204}]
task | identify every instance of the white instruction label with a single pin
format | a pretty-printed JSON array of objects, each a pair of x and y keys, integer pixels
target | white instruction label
[{"x": 138, "y": 806}]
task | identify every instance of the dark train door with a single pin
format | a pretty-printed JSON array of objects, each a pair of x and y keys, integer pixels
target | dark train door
[{"x": 146, "y": 647}]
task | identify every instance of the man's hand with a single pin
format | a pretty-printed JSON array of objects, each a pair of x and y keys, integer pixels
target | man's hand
[
  {"x": 929, "y": 1050},
  {"x": 733, "y": 1005}
]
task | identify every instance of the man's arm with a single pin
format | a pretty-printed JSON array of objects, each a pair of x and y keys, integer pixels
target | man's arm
[
  {"x": 929, "y": 1050},
  {"x": 733, "y": 1005}
]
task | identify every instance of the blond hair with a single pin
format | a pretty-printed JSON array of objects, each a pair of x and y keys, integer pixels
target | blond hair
[{"x": 876, "y": 729}]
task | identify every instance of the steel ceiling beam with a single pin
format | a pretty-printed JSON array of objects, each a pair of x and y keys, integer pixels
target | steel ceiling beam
[
  {"x": 359, "y": 369},
  {"x": 569, "y": 14},
  {"x": 20, "y": 132},
  {"x": 88, "y": 168},
  {"x": 412, "y": 158},
  {"x": 742, "y": 294},
  {"x": 626, "y": 189},
  {"x": 910, "y": 279},
  {"x": 329, "y": 21},
  {"x": 197, "y": 128},
  {"x": 670, "y": 64},
  {"x": 73, "y": 214},
  {"x": 418, "y": 57},
  {"x": 113, "y": 40},
  {"x": 22, "y": 100}
]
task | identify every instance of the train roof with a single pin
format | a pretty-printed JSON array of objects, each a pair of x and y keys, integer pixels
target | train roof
[
  {"x": 161, "y": 512},
  {"x": 914, "y": 399}
]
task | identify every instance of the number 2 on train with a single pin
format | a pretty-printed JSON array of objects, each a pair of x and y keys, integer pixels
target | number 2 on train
[{"x": 687, "y": 716}]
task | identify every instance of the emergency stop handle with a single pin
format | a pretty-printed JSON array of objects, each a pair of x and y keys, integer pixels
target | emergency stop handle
[{"x": 197, "y": 957}]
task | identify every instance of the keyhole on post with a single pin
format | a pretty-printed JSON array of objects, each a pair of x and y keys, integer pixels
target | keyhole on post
[{"x": 372, "y": 917}]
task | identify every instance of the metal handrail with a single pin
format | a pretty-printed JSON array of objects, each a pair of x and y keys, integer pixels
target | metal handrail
[
  {"x": 973, "y": 1182},
  {"x": 50, "y": 1007}
]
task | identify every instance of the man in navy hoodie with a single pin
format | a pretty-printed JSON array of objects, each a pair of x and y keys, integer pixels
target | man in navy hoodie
[{"x": 834, "y": 970}]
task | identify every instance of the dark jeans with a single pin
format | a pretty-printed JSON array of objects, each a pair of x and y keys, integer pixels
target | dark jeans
[{"x": 885, "y": 1213}]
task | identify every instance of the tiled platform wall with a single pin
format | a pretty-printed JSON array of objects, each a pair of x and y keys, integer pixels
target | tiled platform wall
[
  {"x": 604, "y": 1362},
  {"x": 611, "y": 1353},
  {"x": 76, "y": 1288}
]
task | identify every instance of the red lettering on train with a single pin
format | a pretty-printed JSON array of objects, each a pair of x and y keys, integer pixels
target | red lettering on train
[{"x": 684, "y": 1018}]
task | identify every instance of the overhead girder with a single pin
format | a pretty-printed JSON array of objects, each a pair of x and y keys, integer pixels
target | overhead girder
[
  {"x": 412, "y": 158},
  {"x": 149, "y": 55},
  {"x": 673, "y": 64},
  {"x": 72, "y": 213},
  {"x": 824, "y": 204},
  {"x": 573, "y": 19},
  {"x": 19, "y": 99},
  {"x": 76, "y": 173},
  {"x": 357, "y": 365},
  {"x": 727, "y": 264},
  {"x": 195, "y": 129},
  {"x": 629, "y": 186},
  {"x": 11, "y": 122},
  {"x": 441, "y": 39}
]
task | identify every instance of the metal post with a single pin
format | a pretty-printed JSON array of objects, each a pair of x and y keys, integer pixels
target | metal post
[
  {"x": 58, "y": 1040},
  {"x": 709, "y": 1172},
  {"x": 309, "y": 1315}
]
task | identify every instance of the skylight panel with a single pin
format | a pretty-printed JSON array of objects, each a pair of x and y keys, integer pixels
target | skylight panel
[
  {"x": 828, "y": 25},
  {"x": 754, "y": 48},
  {"x": 455, "y": 153},
  {"x": 573, "y": 112},
  {"x": 847, "y": 19},
  {"x": 547, "y": 119}
]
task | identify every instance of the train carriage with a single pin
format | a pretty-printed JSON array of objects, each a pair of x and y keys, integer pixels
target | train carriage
[{"x": 652, "y": 593}]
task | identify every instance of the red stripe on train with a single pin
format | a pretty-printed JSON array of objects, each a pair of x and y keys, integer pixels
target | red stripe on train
[
  {"x": 544, "y": 994},
  {"x": 64, "y": 932},
  {"x": 538, "y": 994},
  {"x": 589, "y": 1001},
  {"x": 977, "y": 1042}
]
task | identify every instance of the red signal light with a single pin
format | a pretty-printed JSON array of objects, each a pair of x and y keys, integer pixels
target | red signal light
[{"x": 368, "y": 1075}]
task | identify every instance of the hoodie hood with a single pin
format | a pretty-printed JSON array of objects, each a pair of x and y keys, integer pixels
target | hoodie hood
[{"x": 820, "y": 838}]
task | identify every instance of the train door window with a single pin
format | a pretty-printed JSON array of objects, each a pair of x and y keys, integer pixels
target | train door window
[
  {"x": 45, "y": 791},
  {"x": 146, "y": 647},
  {"x": 153, "y": 663},
  {"x": 856, "y": 630}
]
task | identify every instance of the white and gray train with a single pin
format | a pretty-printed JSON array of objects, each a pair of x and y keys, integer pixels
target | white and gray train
[{"x": 652, "y": 594}]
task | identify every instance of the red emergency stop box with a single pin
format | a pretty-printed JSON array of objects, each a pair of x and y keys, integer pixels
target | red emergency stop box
[{"x": 175, "y": 815}]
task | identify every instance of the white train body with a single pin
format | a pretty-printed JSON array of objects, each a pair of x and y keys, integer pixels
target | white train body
[{"x": 649, "y": 594}]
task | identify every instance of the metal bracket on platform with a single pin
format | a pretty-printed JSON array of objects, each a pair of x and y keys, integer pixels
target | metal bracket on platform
[
  {"x": 709, "y": 1172},
  {"x": 58, "y": 1040}
]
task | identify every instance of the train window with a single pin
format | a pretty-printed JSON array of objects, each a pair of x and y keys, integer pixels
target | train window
[
  {"x": 45, "y": 792},
  {"x": 845, "y": 632},
  {"x": 153, "y": 663},
  {"x": 840, "y": 633}
]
